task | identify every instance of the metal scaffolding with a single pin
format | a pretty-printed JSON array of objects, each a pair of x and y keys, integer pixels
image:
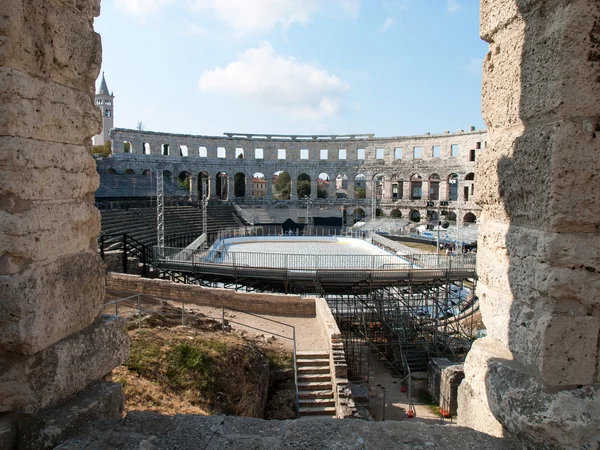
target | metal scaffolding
[{"x": 160, "y": 211}]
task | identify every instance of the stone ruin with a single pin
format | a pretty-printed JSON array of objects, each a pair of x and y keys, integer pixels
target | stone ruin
[{"x": 535, "y": 377}]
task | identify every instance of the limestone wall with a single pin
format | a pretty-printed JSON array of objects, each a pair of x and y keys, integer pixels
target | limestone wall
[
  {"x": 536, "y": 376},
  {"x": 282, "y": 305}
]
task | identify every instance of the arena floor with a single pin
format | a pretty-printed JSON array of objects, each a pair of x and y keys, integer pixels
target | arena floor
[{"x": 293, "y": 252}]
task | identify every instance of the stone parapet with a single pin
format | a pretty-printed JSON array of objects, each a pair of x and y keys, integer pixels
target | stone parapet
[
  {"x": 30, "y": 383},
  {"x": 277, "y": 304}
]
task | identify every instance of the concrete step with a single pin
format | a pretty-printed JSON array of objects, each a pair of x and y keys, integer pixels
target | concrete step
[
  {"x": 312, "y": 362},
  {"x": 315, "y": 394},
  {"x": 308, "y": 402},
  {"x": 314, "y": 386},
  {"x": 317, "y": 411},
  {"x": 314, "y": 377},
  {"x": 312, "y": 355},
  {"x": 313, "y": 369}
]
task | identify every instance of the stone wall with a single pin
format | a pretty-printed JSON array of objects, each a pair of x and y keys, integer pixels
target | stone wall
[
  {"x": 536, "y": 376},
  {"x": 277, "y": 304},
  {"x": 344, "y": 403},
  {"x": 53, "y": 343}
]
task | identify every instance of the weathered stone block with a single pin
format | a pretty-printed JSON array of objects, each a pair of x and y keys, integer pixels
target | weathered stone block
[
  {"x": 450, "y": 380},
  {"x": 37, "y": 109},
  {"x": 53, "y": 39},
  {"x": 434, "y": 376},
  {"x": 30, "y": 383},
  {"x": 31, "y": 170},
  {"x": 48, "y": 428},
  {"x": 569, "y": 350},
  {"x": 44, "y": 305},
  {"x": 520, "y": 71}
]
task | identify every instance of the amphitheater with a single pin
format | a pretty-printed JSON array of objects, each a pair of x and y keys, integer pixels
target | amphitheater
[{"x": 532, "y": 382}]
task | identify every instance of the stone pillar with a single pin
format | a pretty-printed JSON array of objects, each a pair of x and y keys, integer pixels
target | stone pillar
[
  {"x": 444, "y": 190},
  {"x": 247, "y": 186},
  {"x": 293, "y": 187},
  {"x": 53, "y": 341},
  {"x": 213, "y": 187},
  {"x": 229, "y": 179},
  {"x": 350, "y": 188},
  {"x": 425, "y": 190},
  {"x": 406, "y": 190},
  {"x": 387, "y": 190},
  {"x": 193, "y": 186},
  {"x": 269, "y": 186},
  {"x": 536, "y": 375},
  {"x": 313, "y": 186}
]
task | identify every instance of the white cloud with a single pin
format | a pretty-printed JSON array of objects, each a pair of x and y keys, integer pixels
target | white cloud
[
  {"x": 475, "y": 66},
  {"x": 299, "y": 89},
  {"x": 387, "y": 24},
  {"x": 350, "y": 7},
  {"x": 454, "y": 6},
  {"x": 141, "y": 8},
  {"x": 193, "y": 29},
  {"x": 251, "y": 16}
]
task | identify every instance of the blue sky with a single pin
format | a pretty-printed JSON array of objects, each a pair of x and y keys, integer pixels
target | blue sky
[{"x": 389, "y": 67}]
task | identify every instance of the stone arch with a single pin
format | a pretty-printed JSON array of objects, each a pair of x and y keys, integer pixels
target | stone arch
[
  {"x": 303, "y": 185},
  {"x": 203, "y": 179},
  {"x": 147, "y": 172},
  {"x": 451, "y": 216},
  {"x": 397, "y": 184},
  {"x": 259, "y": 185},
  {"x": 396, "y": 213},
  {"x": 239, "y": 185},
  {"x": 222, "y": 185},
  {"x": 129, "y": 172},
  {"x": 360, "y": 186},
  {"x": 470, "y": 218},
  {"x": 111, "y": 170},
  {"x": 416, "y": 187},
  {"x": 415, "y": 215},
  {"x": 377, "y": 186},
  {"x": 183, "y": 179},
  {"x": 323, "y": 183},
  {"x": 434, "y": 187},
  {"x": 341, "y": 185},
  {"x": 282, "y": 185},
  {"x": 128, "y": 147},
  {"x": 359, "y": 214},
  {"x": 470, "y": 176},
  {"x": 453, "y": 187}
]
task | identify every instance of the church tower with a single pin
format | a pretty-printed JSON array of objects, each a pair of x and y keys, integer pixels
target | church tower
[{"x": 104, "y": 101}]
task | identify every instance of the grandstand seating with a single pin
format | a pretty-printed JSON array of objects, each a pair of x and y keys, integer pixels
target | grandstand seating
[
  {"x": 128, "y": 186},
  {"x": 140, "y": 223}
]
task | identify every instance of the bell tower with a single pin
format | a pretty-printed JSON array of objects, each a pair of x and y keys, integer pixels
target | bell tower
[{"x": 104, "y": 101}]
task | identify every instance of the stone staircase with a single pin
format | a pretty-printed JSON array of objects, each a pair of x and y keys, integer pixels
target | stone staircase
[{"x": 315, "y": 390}]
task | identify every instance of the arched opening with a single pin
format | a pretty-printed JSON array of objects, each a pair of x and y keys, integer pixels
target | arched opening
[
  {"x": 453, "y": 187},
  {"x": 127, "y": 147},
  {"x": 360, "y": 186},
  {"x": 147, "y": 172},
  {"x": 470, "y": 176},
  {"x": 129, "y": 172},
  {"x": 359, "y": 214},
  {"x": 416, "y": 187},
  {"x": 323, "y": 185},
  {"x": 282, "y": 185},
  {"x": 434, "y": 187},
  {"x": 203, "y": 185},
  {"x": 377, "y": 186},
  {"x": 239, "y": 185},
  {"x": 222, "y": 185},
  {"x": 303, "y": 187},
  {"x": 396, "y": 213},
  {"x": 184, "y": 180},
  {"x": 259, "y": 185},
  {"x": 415, "y": 215},
  {"x": 469, "y": 218},
  {"x": 341, "y": 186},
  {"x": 397, "y": 187},
  {"x": 111, "y": 170},
  {"x": 451, "y": 216},
  {"x": 469, "y": 186},
  {"x": 379, "y": 213}
]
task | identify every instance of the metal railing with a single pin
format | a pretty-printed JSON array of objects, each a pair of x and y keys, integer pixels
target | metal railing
[{"x": 138, "y": 310}]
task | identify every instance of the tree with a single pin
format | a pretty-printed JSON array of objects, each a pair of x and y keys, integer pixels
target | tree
[
  {"x": 321, "y": 192},
  {"x": 303, "y": 188},
  {"x": 282, "y": 185},
  {"x": 102, "y": 150},
  {"x": 239, "y": 184},
  {"x": 361, "y": 192},
  {"x": 140, "y": 126},
  {"x": 126, "y": 147}
]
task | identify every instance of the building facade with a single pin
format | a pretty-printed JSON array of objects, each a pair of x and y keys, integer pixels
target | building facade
[{"x": 104, "y": 100}]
